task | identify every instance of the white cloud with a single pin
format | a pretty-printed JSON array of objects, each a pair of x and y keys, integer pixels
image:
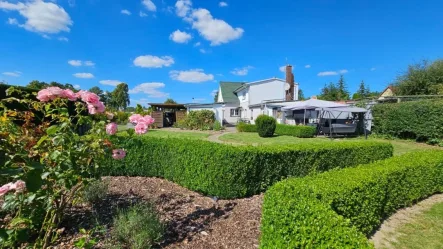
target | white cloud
[
  {"x": 203, "y": 51},
  {"x": 62, "y": 38},
  {"x": 183, "y": 7},
  {"x": 180, "y": 37},
  {"x": 214, "y": 30},
  {"x": 142, "y": 14},
  {"x": 214, "y": 92},
  {"x": 77, "y": 87},
  {"x": 197, "y": 44},
  {"x": 152, "y": 61},
  {"x": 126, "y": 12},
  {"x": 12, "y": 21},
  {"x": 41, "y": 17},
  {"x": 152, "y": 89},
  {"x": 46, "y": 36},
  {"x": 332, "y": 73},
  {"x": 223, "y": 4},
  {"x": 308, "y": 66},
  {"x": 149, "y": 5},
  {"x": 13, "y": 74},
  {"x": 191, "y": 76},
  {"x": 84, "y": 75},
  {"x": 89, "y": 63},
  {"x": 110, "y": 82},
  {"x": 75, "y": 63},
  {"x": 282, "y": 69},
  {"x": 241, "y": 71},
  {"x": 373, "y": 69}
]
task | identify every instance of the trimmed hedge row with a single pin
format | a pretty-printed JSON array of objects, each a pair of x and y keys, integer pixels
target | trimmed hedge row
[
  {"x": 420, "y": 120},
  {"x": 236, "y": 171},
  {"x": 338, "y": 209},
  {"x": 301, "y": 131},
  {"x": 243, "y": 127}
]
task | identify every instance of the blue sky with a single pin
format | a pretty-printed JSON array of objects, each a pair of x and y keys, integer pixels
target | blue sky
[{"x": 182, "y": 49}]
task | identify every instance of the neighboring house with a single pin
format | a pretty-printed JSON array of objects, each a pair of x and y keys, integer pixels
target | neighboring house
[
  {"x": 246, "y": 100},
  {"x": 388, "y": 92}
]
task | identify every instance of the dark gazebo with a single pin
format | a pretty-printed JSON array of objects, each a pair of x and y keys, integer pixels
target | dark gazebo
[{"x": 166, "y": 115}]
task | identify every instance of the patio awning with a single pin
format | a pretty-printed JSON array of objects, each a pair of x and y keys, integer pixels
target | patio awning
[
  {"x": 343, "y": 109},
  {"x": 312, "y": 104}
]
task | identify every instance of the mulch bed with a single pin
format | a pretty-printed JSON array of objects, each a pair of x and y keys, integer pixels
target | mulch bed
[{"x": 193, "y": 220}]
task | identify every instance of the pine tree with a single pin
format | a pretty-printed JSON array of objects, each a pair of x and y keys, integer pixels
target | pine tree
[{"x": 342, "y": 91}]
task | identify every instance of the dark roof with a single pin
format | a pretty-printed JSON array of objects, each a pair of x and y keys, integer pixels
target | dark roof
[
  {"x": 227, "y": 90},
  {"x": 167, "y": 105}
]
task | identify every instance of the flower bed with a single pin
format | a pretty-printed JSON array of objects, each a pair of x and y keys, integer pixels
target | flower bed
[
  {"x": 338, "y": 209},
  {"x": 236, "y": 171}
]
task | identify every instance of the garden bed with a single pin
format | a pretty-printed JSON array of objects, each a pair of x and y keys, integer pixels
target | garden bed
[{"x": 193, "y": 220}]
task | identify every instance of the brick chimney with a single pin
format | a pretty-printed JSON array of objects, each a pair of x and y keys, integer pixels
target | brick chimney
[{"x": 290, "y": 81}]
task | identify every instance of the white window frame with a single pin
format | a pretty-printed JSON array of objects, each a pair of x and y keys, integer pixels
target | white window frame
[{"x": 235, "y": 112}]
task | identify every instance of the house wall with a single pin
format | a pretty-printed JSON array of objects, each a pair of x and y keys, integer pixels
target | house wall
[
  {"x": 243, "y": 97},
  {"x": 220, "y": 97},
  {"x": 269, "y": 90}
]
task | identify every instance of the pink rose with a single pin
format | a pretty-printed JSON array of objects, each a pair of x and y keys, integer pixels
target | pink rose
[
  {"x": 91, "y": 109},
  {"x": 55, "y": 91},
  {"x": 100, "y": 107},
  {"x": 19, "y": 186},
  {"x": 88, "y": 97},
  {"x": 109, "y": 115},
  {"x": 135, "y": 118},
  {"x": 44, "y": 95},
  {"x": 118, "y": 154},
  {"x": 111, "y": 128},
  {"x": 6, "y": 188},
  {"x": 69, "y": 94},
  {"x": 141, "y": 128},
  {"x": 147, "y": 119}
]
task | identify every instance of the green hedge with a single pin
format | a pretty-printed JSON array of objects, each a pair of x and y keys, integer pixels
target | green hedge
[
  {"x": 236, "y": 171},
  {"x": 420, "y": 120},
  {"x": 338, "y": 209},
  {"x": 243, "y": 127},
  {"x": 296, "y": 130}
]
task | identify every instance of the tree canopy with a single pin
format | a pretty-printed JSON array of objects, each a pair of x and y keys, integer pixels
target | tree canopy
[
  {"x": 38, "y": 85},
  {"x": 301, "y": 96},
  {"x": 216, "y": 97},
  {"x": 170, "y": 101},
  {"x": 421, "y": 79},
  {"x": 120, "y": 96}
]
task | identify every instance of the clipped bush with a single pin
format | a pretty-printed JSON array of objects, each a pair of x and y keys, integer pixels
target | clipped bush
[
  {"x": 301, "y": 131},
  {"x": 265, "y": 125},
  {"x": 198, "y": 120},
  {"x": 244, "y": 127},
  {"x": 138, "y": 227},
  {"x": 420, "y": 120},
  {"x": 122, "y": 117},
  {"x": 236, "y": 171},
  {"x": 338, "y": 209}
]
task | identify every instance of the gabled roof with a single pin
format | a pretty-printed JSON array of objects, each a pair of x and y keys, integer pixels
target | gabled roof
[
  {"x": 227, "y": 91},
  {"x": 256, "y": 82}
]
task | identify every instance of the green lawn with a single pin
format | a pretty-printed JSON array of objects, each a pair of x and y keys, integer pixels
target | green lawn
[
  {"x": 400, "y": 147},
  {"x": 174, "y": 134},
  {"x": 425, "y": 231}
]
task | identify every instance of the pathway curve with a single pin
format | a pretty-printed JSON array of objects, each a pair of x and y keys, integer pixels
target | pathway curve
[{"x": 387, "y": 232}]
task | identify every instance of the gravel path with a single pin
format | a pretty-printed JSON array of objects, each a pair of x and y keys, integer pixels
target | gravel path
[{"x": 387, "y": 231}]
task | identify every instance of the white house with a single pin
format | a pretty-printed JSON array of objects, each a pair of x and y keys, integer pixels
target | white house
[{"x": 246, "y": 100}]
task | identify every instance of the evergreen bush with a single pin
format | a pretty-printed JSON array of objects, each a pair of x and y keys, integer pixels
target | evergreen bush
[{"x": 265, "y": 125}]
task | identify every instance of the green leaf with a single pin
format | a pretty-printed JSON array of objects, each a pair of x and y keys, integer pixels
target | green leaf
[
  {"x": 52, "y": 130},
  {"x": 30, "y": 198},
  {"x": 40, "y": 141},
  {"x": 33, "y": 180},
  {"x": 3, "y": 234}
]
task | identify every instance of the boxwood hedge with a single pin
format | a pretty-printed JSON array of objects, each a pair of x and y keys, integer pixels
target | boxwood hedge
[
  {"x": 236, "y": 171},
  {"x": 301, "y": 131},
  {"x": 243, "y": 127},
  {"x": 420, "y": 120},
  {"x": 338, "y": 209}
]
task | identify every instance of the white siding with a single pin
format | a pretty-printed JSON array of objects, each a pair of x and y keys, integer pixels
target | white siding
[
  {"x": 268, "y": 90},
  {"x": 243, "y": 97},
  {"x": 220, "y": 97}
]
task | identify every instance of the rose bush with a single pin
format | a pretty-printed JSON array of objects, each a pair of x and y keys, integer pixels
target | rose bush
[{"x": 45, "y": 162}]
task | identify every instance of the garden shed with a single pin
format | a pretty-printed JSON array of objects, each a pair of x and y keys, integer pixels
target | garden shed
[{"x": 166, "y": 115}]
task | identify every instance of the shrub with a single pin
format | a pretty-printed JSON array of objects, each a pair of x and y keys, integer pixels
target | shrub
[
  {"x": 138, "y": 227},
  {"x": 265, "y": 125},
  {"x": 420, "y": 120},
  {"x": 122, "y": 117},
  {"x": 236, "y": 171},
  {"x": 217, "y": 126},
  {"x": 198, "y": 120},
  {"x": 244, "y": 127},
  {"x": 95, "y": 191},
  {"x": 296, "y": 130},
  {"x": 339, "y": 208}
]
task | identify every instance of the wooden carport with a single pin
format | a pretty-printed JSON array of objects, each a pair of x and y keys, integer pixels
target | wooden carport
[{"x": 166, "y": 115}]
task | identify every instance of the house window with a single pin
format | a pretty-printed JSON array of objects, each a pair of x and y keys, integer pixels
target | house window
[{"x": 235, "y": 112}]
